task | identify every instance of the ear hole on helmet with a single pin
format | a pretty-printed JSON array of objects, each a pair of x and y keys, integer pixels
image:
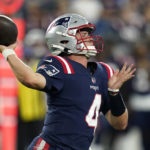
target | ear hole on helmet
[{"x": 64, "y": 42}]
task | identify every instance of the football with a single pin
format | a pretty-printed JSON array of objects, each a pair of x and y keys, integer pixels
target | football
[{"x": 8, "y": 31}]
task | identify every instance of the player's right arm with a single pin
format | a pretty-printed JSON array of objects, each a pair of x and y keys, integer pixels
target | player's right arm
[{"x": 23, "y": 72}]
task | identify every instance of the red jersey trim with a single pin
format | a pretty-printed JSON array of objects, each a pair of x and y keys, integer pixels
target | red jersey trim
[
  {"x": 68, "y": 69},
  {"x": 109, "y": 69},
  {"x": 41, "y": 144}
]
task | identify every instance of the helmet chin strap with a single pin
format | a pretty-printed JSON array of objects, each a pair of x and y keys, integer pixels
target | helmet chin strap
[{"x": 88, "y": 53}]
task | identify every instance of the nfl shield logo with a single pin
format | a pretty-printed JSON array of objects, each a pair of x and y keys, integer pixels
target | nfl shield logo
[{"x": 93, "y": 80}]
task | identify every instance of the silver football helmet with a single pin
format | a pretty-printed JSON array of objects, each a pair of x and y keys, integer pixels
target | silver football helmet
[{"x": 61, "y": 36}]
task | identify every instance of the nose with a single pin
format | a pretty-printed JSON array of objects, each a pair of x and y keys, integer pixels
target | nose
[{"x": 85, "y": 34}]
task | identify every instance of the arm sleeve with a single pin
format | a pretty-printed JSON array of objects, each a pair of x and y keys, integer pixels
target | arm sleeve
[
  {"x": 113, "y": 103},
  {"x": 105, "y": 105}
]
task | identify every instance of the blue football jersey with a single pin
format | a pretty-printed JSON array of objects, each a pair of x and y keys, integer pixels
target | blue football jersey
[{"x": 75, "y": 97}]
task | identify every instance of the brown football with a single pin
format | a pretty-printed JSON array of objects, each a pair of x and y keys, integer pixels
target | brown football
[{"x": 8, "y": 31}]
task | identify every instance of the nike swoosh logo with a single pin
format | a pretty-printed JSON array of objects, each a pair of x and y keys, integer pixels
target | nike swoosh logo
[{"x": 49, "y": 60}]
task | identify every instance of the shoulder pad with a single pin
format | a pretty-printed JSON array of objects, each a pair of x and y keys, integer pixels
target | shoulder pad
[
  {"x": 108, "y": 68},
  {"x": 60, "y": 63}
]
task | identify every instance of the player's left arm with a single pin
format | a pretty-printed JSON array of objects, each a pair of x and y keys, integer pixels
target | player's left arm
[
  {"x": 118, "y": 122},
  {"x": 117, "y": 116}
]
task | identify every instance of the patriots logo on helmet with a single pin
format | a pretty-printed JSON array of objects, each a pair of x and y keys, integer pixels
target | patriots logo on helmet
[{"x": 61, "y": 22}]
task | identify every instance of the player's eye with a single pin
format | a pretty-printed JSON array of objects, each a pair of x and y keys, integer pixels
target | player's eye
[{"x": 89, "y": 30}]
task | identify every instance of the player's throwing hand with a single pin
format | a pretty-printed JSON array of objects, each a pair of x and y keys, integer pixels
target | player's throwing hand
[{"x": 12, "y": 46}]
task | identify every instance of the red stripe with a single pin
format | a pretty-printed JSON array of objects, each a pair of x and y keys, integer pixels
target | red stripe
[
  {"x": 108, "y": 70},
  {"x": 37, "y": 143},
  {"x": 64, "y": 65},
  {"x": 46, "y": 147}
]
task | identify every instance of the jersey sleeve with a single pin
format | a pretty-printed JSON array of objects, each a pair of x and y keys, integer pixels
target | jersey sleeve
[
  {"x": 52, "y": 70},
  {"x": 108, "y": 68},
  {"x": 107, "y": 72}
]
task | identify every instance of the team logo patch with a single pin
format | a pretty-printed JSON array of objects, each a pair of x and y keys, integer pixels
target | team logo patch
[
  {"x": 50, "y": 70},
  {"x": 41, "y": 67}
]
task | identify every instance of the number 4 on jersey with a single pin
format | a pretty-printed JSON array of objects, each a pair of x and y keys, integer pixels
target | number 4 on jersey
[{"x": 91, "y": 117}]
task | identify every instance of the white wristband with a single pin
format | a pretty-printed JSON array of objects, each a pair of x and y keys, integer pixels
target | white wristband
[
  {"x": 8, "y": 52},
  {"x": 113, "y": 90}
]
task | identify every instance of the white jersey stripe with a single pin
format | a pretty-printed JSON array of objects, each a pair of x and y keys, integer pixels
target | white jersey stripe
[
  {"x": 41, "y": 145},
  {"x": 66, "y": 64}
]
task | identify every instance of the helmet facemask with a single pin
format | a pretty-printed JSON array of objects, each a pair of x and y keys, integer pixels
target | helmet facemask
[{"x": 89, "y": 45}]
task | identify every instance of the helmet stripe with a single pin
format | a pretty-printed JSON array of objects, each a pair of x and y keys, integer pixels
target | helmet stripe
[
  {"x": 109, "y": 69},
  {"x": 68, "y": 69}
]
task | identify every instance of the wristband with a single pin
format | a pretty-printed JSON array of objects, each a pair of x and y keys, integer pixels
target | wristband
[
  {"x": 113, "y": 92},
  {"x": 8, "y": 52},
  {"x": 117, "y": 105}
]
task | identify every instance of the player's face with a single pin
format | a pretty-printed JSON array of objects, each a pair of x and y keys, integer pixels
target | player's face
[{"x": 83, "y": 36}]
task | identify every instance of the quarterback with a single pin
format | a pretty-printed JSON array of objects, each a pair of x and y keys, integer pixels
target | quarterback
[{"x": 77, "y": 90}]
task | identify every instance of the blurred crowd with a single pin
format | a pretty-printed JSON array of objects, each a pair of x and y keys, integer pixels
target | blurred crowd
[{"x": 125, "y": 27}]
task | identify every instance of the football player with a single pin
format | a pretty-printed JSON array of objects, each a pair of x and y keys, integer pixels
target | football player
[{"x": 77, "y": 90}]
